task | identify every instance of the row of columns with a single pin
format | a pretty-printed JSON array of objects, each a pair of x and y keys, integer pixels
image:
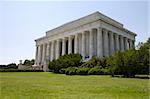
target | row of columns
[{"x": 99, "y": 42}]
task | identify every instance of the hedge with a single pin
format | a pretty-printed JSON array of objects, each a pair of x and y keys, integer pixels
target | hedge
[
  {"x": 95, "y": 71},
  {"x": 82, "y": 71},
  {"x": 18, "y": 70},
  {"x": 68, "y": 60},
  {"x": 71, "y": 71}
]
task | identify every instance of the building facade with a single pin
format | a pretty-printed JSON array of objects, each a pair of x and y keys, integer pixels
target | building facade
[{"x": 92, "y": 35}]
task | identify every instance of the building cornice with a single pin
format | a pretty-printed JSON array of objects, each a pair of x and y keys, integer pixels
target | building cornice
[{"x": 83, "y": 21}]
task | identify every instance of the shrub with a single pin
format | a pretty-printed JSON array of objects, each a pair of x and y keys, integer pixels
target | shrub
[
  {"x": 18, "y": 70},
  {"x": 91, "y": 63},
  {"x": 28, "y": 62},
  {"x": 105, "y": 71},
  {"x": 9, "y": 66},
  {"x": 71, "y": 70},
  {"x": 95, "y": 71},
  {"x": 70, "y": 60},
  {"x": 144, "y": 57},
  {"x": 123, "y": 63},
  {"x": 127, "y": 63},
  {"x": 62, "y": 71},
  {"x": 55, "y": 66},
  {"x": 82, "y": 71},
  {"x": 101, "y": 62}
]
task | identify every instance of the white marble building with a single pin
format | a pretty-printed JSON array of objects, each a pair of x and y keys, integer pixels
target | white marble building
[{"x": 92, "y": 35}]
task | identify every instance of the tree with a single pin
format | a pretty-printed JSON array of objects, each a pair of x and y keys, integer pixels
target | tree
[
  {"x": 101, "y": 62},
  {"x": 70, "y": 60},
  {"x": 144, "y": 57},
  {"x": 29, "y": 62},
  {"x": 131, "y": 62},
  {"x": 32, "y": 62},
  {"x": 12, "y": 65}
]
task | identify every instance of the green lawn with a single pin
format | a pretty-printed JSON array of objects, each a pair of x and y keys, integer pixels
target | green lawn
[{"x": 42, "y": 85}]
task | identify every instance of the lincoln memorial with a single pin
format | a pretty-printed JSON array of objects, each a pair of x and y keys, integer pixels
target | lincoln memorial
[{"x": 92, "y": 35}]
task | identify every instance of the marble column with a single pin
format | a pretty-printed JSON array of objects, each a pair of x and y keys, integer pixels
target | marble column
[
  {"x": 52, "y": 50},
  {"x": 48, "y": 51},
  {"x": 43, "y": 54},
  {"x": 69, "y": 44},
  {"x": 106, "y": 48},
  {"x": 91, "y": 43},
  {"x": 122, "y": 43},
  {"x": 39, "y": 54},
  {"x": 36, "y": 55},
  {"x": 99, "y": 42},
  {"x": 46, "y": 57},
  {"x": 117, "y": 42},
  {"x": 111, "y": 43},
  {"x": 63, "y": 46},
  {"x": 76, "y": 43},
  {"x": 83, "y": 45},
  {"x": 57, "y": 48}
]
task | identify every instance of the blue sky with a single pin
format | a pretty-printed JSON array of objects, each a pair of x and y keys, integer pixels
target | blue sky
[{"x": 21, "y": 22}]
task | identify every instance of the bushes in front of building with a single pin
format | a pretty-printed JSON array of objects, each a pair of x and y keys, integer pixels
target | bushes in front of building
[
  {"x": 71, "y": 65},
  {"x": 70, "y": 60},
  {"x": 82, "y": 71},
  {"x": 123, "y": 63},
  {"x": 127, "y": 63},
  {"x": 101, "y": 62},
  {"x": 71, "y": 70},
  {"x": 130, "y": 62},
  {"x": 85, "y": 71},
  {"x": 98, "y": 71}
]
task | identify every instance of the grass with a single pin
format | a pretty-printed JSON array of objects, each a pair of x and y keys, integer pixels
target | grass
[{"x": 42, "y": 85}]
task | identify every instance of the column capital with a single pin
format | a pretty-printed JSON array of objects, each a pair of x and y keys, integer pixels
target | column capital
[
  {"x": 71, "y": 36},
  {"x": 90, "y": 30},
  {"x": 53, "y": 41},
  {"x": 76, "y": 34},
  {"x": 44, "y": 43},
  {"x": 109, "y": 31},
  {"x": 64, "y": 38},
  {"x": 83, "y": 33},
  {"x": 104, "y": 30},
  {"x": 115, "y": 34}
]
